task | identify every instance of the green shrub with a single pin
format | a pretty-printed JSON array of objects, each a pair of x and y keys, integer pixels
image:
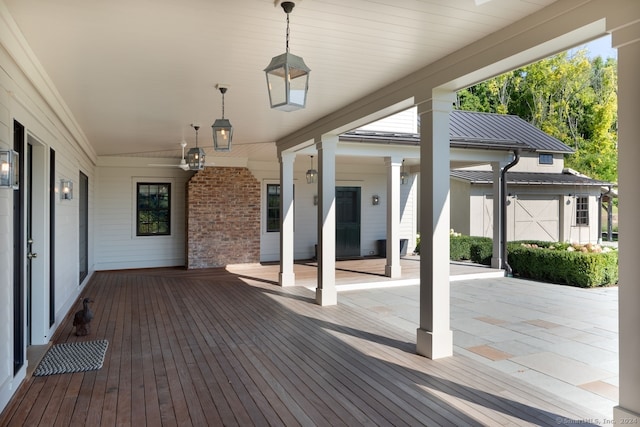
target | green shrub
[
  {"x": 482, "y": 250},
  {"x": 556, "y": 263},
  {"x": 477, "y": 249}
]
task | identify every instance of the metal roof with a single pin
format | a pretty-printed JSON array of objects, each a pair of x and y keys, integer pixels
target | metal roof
[
  {"x": 529, "y": 178},
  {"x": 468, "y": 129},
  {"x": 500, "y": 128}
]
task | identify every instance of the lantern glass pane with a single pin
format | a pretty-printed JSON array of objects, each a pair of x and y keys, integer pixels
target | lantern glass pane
[{"x": 277, "y": 89}]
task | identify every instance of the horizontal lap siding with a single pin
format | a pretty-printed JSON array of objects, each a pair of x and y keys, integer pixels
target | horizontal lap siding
[{"x": 116, "y": 243}]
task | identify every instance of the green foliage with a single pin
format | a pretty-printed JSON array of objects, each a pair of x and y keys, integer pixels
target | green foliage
[
  {"x": 462, "y": 248},
  {"x": 556, "y": 264},
  {"x": 571, "y": 98},
  {"x": 482, "y": 250}
]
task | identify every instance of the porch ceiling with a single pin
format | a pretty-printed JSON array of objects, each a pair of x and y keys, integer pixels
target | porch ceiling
[{"x": 135, "y": 75}]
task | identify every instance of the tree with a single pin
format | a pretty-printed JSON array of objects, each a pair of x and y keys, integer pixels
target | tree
[{"x": 571, "y": 98}]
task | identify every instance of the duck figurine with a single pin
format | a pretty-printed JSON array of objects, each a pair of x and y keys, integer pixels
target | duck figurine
[{"x": 82, "y": 319}]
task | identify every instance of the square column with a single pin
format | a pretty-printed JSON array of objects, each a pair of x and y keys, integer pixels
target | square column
[
  {"x": 392, "y": 268},
  {"x": 287, "y": 276},
  {"x": 326, "y": 293},
  {"x": 627, "y": 40},
  {"x": 435, "y": 339}
]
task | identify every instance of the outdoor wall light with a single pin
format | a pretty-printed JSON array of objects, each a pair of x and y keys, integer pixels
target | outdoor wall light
[
  {"x": 315, "y": 200},
  {"x": 287, "y": 76},
  {"x": 66, "y": 189},
  {"x": 222, "y": 129},
  {"x": 196, "y": 155},
  {"x": 404, "y": 175},
  {"x": 375, "y": 200},
  {"x": 9, "y": 169},
  {"x": 312, "y": 174}
]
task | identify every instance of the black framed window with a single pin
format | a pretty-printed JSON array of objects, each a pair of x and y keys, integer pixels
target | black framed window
[
  {"x": 545, "y": 159},
  {"x": 273, "y": 207},
  {"x": 582, "y": 210},
  {"x": 153, "y": 215}
]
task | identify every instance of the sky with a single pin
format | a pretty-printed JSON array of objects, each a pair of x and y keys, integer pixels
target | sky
[{"x": 600, "y": 47}]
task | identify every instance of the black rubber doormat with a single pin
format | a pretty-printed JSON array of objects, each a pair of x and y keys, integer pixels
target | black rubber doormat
[{"x": 72, "y": 357}]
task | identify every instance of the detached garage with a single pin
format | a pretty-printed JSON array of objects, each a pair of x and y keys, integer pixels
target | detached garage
[{"x": 540, "y": 206}]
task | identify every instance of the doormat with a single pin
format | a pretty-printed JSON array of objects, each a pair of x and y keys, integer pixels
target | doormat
[{"x": 72, "y": 357}]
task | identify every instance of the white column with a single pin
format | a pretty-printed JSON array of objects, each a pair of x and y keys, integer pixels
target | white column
[
  {"x": 392, "y": 268},
  {"x": 496, "y": 259},
  {"x": 326, "y": 293},
  {"x": 287, "y": 276},
  {"x": 627, "y": 40},
  {"x": 434, "y": 336}
]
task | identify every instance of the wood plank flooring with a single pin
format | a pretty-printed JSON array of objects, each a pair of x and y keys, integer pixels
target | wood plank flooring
[{"x": 214, "y": 347}]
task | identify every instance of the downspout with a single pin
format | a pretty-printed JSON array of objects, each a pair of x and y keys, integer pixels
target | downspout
[{"x": 503, "y": 184}]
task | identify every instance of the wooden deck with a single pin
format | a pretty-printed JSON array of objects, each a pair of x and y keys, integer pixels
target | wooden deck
[{"x": 217, "y": 347}]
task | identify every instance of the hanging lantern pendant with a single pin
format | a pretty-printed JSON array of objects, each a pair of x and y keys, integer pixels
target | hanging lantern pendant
[
  {"x": 196, "y": 155},
  {"x": 287, "y": 76},
  {"x": 222, "y": 129}
]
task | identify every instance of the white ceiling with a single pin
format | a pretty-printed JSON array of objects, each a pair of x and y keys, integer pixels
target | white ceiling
[{"x": 136, "y": 73}]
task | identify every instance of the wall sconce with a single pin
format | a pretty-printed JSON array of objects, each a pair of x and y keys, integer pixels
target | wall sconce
[
  {"x": 312, "y": 174},
  {"x": 222, "y": 129},
  {"x": 9, "y": 169},
  {"x": 375, "y": 200},
  {"x": 66, "y": 189},
  {"x": 404, "y": 175},
  {"x": 287, "y": 76},
  {"x": 315, "y": 200}
]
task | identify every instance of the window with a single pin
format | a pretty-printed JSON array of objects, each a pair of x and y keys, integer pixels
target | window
[
  {"x": 153, "y": 215},
  {"x": 545, "y": 159},
  {"x": 273, "y": 207},
  {"x": 582, "y": 210}
]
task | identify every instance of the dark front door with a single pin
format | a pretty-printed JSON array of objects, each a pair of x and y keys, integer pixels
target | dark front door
[
  {"x": 347, "y": 222},
  {"x": 18, "y": 257}
]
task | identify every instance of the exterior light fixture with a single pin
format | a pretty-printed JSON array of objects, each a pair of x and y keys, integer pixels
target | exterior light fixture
[
  {"x": 375, "y": 200},
  {"x": 9, "y": 169},
  {"x": 196, "y": 155},
  {"x": 287, "y": 76},
  {"x": 222, "y": 130},
  {"x": 404, "y": 175},
  {"x": 312, "y": 174},
  {"x": 66, "y": 189}
]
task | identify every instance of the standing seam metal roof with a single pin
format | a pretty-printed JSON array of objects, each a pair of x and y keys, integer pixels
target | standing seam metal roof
[{"x": 487, "y": 127}]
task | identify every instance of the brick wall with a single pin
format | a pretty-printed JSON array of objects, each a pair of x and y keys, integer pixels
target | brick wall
[{"x": 223, "y": 218}]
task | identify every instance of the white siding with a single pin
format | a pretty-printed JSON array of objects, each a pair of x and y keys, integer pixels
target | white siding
[
  {"x": 117, "y": 245},
  {"x": 403, "y": 122},
  {"x": 20, "y": 100},
  {"x": 461, "y": 219},
  {"x": 6, "y": 262}
]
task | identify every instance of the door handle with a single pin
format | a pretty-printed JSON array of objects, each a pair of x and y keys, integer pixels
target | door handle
[{"x": 32, "y": 255}]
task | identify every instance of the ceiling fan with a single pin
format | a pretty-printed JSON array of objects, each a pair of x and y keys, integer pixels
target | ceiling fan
[{"x": 183, "y": 163}]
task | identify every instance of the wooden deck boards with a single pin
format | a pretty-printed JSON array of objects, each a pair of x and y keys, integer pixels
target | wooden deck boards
[{"x": 211, "y": 347}]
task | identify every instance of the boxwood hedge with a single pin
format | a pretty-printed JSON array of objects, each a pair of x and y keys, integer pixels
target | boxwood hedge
[{"x": 544, "y": 261}]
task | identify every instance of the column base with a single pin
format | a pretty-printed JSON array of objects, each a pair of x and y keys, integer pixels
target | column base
[
  {"x": 434, "y": 345},
  {"x": 623, "y": 416},
  {"x": 393, "y": 271},
  {"x": 496, "y": 263},
  {"x": 326, "y": 296},
  {"x": 287, "y": 279}
]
